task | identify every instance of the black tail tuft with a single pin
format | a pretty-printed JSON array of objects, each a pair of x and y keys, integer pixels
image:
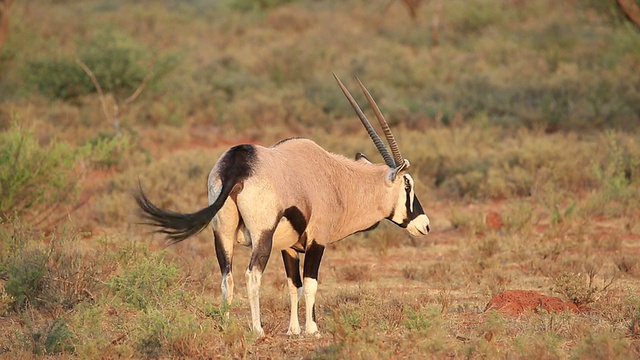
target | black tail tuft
[{"x": 177, "y": 226}]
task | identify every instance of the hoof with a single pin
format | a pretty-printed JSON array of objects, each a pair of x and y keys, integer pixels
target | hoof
[
  {"x": 293, "y": 333},
  {"x": 315, "y": 335},
  {"x": 311, "y": 329}
]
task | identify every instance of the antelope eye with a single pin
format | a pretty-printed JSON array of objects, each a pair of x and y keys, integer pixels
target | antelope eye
[{"x": 407, "y": 185}]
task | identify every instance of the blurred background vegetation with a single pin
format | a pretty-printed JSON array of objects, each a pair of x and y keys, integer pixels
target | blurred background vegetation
[
  {"x": 245, "y": 64},
  {"x": 119, "y": 82}
]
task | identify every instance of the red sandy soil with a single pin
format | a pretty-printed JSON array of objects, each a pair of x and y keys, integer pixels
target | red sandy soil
[{"x": 516, "y": 302}]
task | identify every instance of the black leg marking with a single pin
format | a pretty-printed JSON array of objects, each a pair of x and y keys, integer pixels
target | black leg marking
[
  {"x": 261, "y": 252},
  {"x": 313, "y": 313},
  {"x": 312, "y": 260},
  {"x": 301, "y": 245},
  {"x": 292, "y": 266},
  {"x": 297, "y": 219},
  {"x": 223, "y": 259}
]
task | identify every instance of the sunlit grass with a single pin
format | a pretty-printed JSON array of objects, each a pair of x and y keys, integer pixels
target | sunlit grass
[{"x": 520, "y": 124}]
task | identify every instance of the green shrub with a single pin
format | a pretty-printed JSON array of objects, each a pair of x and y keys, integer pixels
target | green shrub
[
  {"x": 49, "y": 274},
  {"x": 119, "y": 64},
  {"x": 33, "y": 177},
  {"x": 171, "y": 332},
  {"x": 36, "y": 180},
  {"x": 26, "y": 278},
  {"x": 576, "y": 289},
  {"x": 58, "y": 78},
  {"x": 147, "y": 281},
  {"x": 22, "y": 265},
  {"x": 50, "y": 338},
  {"x": 604, "y": 345},
  {"x": 248, "y": 5},
  {"x": 108, "y": 150}
]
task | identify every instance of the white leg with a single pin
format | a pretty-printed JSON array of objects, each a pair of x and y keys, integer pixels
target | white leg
[
  {"x": 253, "y": 287},
  {"x": 227, "y": 288},
  {"x": 294, "y": 295},
  {"x": 310, "y": 288}
]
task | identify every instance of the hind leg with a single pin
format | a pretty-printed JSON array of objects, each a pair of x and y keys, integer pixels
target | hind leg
[
  {"x": 261, "y": 241},
  {"x": 225, "y": 229}
]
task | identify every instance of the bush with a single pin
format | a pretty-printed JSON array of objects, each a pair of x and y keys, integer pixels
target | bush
[
  {"x": 146, "y": 282},
  {"x": 35, "y": 178},
  {"x": 51, "y": 338},
  {"x": 248, "y": 5},
  {"x": 50, "y": 275},
  {"x": 171, "y": 332},
  {"x": 108, "y": 150},
  {"x": 119, "y": 64}
]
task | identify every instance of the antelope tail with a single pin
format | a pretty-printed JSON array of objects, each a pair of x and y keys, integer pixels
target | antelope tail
[{"x": 178, "y": 226}]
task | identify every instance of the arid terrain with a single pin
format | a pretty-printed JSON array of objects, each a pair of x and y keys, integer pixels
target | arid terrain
[{"x": 521, "y": 120}]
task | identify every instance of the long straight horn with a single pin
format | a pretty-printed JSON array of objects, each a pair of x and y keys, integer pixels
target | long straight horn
[
  {"x": 370, "y": 130},
  {"x": 391, "y": 140}
]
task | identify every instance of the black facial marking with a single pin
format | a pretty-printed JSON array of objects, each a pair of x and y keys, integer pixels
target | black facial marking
[
  {"x": 292, "y": 267},
  {"x": 223, "y": 259},
  {"x": 237, "y": 163},
  {"x": 411, "y": 215},
  {"x": 312, "y": 260},
  {"x": 297, "y": 219}
]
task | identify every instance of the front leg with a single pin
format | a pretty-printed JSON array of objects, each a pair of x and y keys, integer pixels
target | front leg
[
  {"x": 291, "y": 261},
  {"x": 311, "y": 265}
]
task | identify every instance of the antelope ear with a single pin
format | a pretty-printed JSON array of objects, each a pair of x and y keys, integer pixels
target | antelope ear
[
  {"x": 404, "y": 166},
  {"x": 393, "y": 173},
  {"x": 362, "y": 158}
]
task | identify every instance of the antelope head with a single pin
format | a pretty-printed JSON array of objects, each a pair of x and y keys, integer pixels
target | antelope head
[{"x": 407, "y": 212}]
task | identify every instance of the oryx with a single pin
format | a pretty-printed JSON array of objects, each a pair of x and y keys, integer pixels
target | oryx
[{"x": 295, "y": 197}]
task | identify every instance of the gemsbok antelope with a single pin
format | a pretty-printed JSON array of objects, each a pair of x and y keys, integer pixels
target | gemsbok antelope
[{"x": 297, "y": 198}]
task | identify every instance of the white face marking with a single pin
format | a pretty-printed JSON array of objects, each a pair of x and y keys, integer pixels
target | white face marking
[
  {"x": 419, "y": 225},
  {"x": 408, "y": 184},
  {"x": 400, "y": 212}
]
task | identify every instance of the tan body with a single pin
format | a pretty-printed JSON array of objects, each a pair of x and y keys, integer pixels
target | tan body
[{"x": 285, "y": 177}]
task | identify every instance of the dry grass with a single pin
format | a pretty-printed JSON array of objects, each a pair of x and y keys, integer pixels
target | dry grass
[{"x": 502, "y": 120}]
